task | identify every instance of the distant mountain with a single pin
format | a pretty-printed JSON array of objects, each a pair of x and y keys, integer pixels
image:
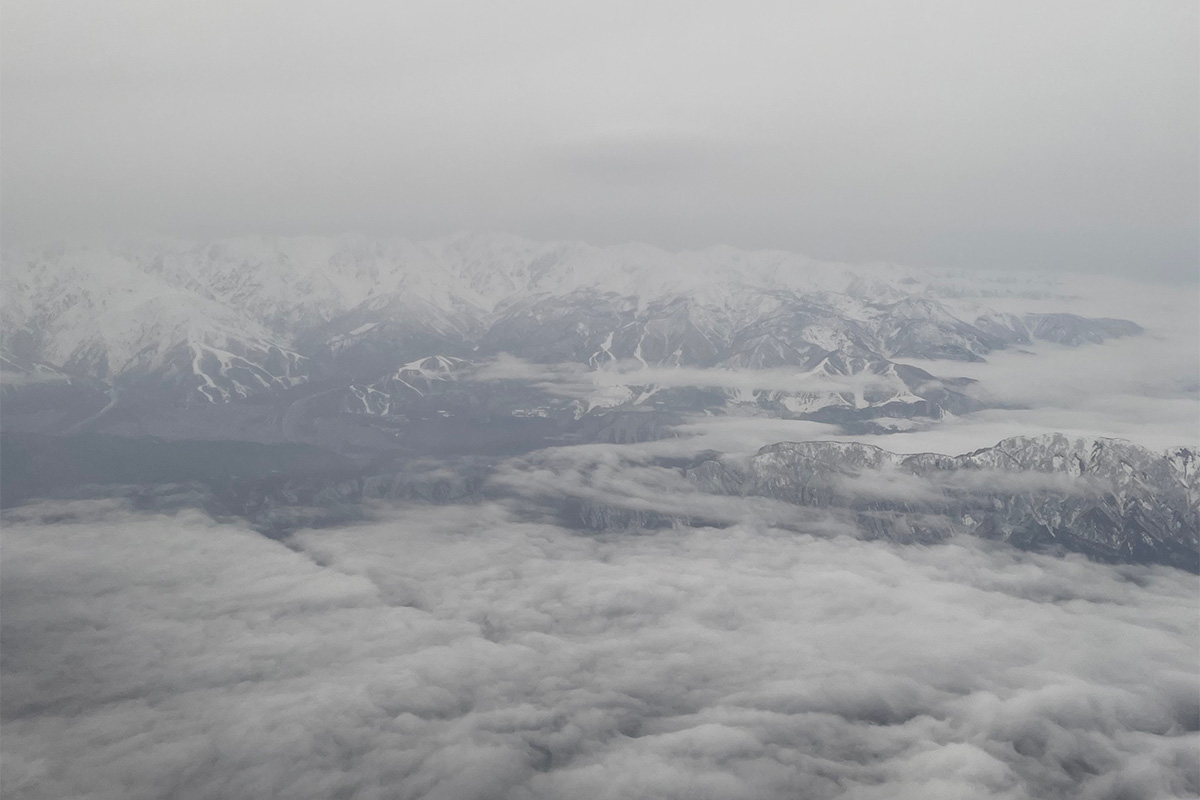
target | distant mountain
[{"x": 176, "y": 324}]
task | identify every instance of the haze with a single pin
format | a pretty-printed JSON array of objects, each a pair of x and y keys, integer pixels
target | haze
[{"x": 1006, "y": 135}]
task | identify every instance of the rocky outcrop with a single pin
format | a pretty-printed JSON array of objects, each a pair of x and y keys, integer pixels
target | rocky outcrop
[{"x": 1107, "y": 498}]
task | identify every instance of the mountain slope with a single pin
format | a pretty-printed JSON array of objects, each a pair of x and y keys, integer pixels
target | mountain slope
[
  {"x": 1105, "y": 497},
  {"x": 231, "y": 320}
]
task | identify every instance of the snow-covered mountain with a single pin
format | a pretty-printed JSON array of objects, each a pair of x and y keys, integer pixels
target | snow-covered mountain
[
  {"x": 1104, "y": 497},
  {"x": 197, "y": 324},
  {"x": 276, "y": 379}
]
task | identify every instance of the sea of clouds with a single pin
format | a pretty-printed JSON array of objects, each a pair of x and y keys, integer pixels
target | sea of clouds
[{"x": 474, "y": 651}]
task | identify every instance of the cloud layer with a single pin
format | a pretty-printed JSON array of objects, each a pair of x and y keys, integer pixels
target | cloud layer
[
  {"x": 1143, "y": 388},
  {"x": 459, "y": 653}
]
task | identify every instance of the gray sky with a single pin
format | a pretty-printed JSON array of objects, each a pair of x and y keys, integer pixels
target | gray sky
[{"x": 1002, "y": 134}]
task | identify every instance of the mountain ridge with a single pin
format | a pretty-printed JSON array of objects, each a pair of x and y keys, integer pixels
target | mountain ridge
[
  {"x": 226, "y": 321},
  {"x": 1103, "y": 496}
]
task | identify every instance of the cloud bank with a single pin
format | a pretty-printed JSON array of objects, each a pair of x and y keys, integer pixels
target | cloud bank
[
  {"x": 1142, "y": 388},
  {"x": 460, "y": 653}
]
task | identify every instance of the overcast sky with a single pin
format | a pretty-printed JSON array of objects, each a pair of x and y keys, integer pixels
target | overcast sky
[{"x": 1002, "y": 134}]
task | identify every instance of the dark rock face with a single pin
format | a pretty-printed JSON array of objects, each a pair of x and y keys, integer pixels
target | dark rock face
[{"x": 1104, "y": 497}]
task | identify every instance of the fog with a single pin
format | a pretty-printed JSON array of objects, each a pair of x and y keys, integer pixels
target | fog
[
  {"x": 458, "y": 652},
  {"x": 1008, "y": 135}
]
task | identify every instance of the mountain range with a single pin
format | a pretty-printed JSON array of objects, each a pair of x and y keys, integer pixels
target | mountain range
[
  {"x": 290, "y": 380},
  {"x": 1104, "y": 497},
  {"x": 171, "y": 325}
]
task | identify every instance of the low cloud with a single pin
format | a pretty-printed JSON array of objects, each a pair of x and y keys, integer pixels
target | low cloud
[
  {"x": 576, "y": 380},
  {"x": 1142, "y": 388},
  {"x": 613, "y": 486},
  {"x": 456, "y": 652},
  {"x": 896, "y": 485},
  {"x": 623, "y": 478}
]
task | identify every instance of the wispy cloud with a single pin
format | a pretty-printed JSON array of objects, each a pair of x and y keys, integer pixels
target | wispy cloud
[{"x": 576, "y": 380}]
